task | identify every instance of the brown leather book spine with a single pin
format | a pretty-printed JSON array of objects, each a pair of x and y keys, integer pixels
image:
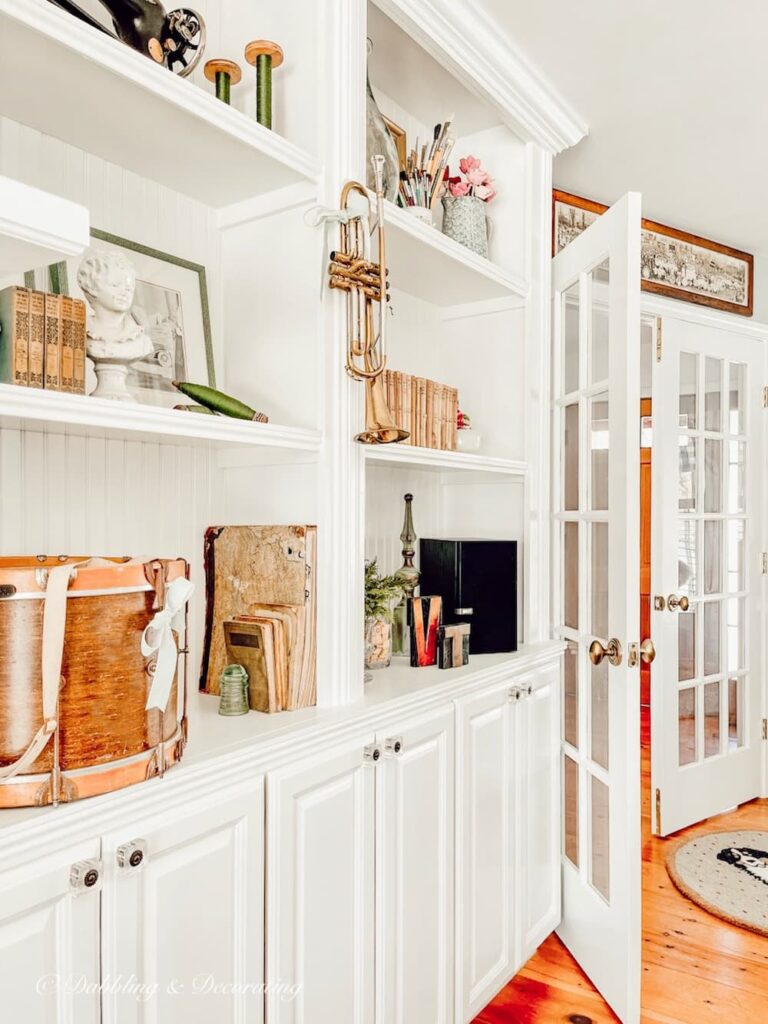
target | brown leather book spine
[
  {"x": 421, "y": 430},
  {"x": 53, "y": 342},
  {"x": 78, "y": 385},
  {"x": 67, "y": 369},
  {"x": 36, "y": 339},
  {"x": 429, "y": 438}
]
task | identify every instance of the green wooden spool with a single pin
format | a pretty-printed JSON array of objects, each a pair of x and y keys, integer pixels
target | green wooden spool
[
  {"x": 265, "y": 56},
  {"x": 224, "y": 74}
]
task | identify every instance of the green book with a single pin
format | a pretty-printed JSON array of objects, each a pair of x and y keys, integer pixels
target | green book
[{"x": 14, "y": 336}]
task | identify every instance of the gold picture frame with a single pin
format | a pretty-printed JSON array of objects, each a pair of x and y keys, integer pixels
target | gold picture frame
[
  {"x": 398, "y": 134},
  {"x": 674, "y": 263}
]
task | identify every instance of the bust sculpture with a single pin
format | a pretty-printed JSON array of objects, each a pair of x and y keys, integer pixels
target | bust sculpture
[{"x": 114, "y": 338}]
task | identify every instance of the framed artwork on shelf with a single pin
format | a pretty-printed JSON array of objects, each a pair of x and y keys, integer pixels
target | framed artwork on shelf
[
  {"x": 170, "y": 304},
  {"x": 673, "y": 263},
  {"x": 398, "y": 134}
]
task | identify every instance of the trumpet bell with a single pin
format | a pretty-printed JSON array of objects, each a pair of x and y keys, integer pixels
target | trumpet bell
[{"x": 380, "y": 427}]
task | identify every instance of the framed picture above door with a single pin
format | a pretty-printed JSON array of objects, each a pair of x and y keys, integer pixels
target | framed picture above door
[{"x": 673, "y": 263}]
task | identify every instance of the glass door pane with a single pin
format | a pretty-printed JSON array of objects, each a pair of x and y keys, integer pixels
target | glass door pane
[{"x": 595, "y": 383}]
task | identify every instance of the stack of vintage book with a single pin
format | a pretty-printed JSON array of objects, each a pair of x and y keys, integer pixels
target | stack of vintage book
[
  {"x": 260, "y": 612},
  {"x": 426, "y": 409},
  {"x": 42, "y": 340}
]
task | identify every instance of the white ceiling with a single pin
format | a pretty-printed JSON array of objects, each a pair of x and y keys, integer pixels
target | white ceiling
[{"x": 675, "y": 96}]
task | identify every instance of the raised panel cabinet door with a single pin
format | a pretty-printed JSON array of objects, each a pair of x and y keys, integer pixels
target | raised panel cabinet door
[
  {"x": 485, "y": 852},
  {"x": 49, "y": 942},
  {"x": 414, "y": 871},
  {"x": 320, "y": 888},
  {"x": 538, "y": 774},
  {"x": 183, "y": 913}
]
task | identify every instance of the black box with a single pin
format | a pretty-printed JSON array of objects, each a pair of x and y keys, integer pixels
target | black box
[{"x": 477, "y": 580}]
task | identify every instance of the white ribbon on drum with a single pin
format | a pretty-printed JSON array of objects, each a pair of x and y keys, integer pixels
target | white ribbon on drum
[
  {"x": 158, "y": 639},
  {"x": 54, "y": 621}
]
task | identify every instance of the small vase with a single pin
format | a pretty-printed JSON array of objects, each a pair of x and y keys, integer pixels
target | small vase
[
  {"x": 420, "y": 213},
  {"x": 378, "y": 644},
  {"x": 465, "y": 220},
  {"x": 467, "y": 440},
  {"x": 379, "y": 142}
]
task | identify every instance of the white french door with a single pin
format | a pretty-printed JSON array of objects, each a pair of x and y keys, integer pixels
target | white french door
[
  {"x": 706, "y": 540},
  {"x": 596, "y": 392}
]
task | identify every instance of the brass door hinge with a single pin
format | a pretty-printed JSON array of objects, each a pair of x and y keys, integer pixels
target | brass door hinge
[
  {"x": 658, "y": 812},
  {"x": 658, "y": 339},
  {"x": 764, "y": 563},
  {"x": 765, "y": 397},
  {"x": 765, "y": 728}
]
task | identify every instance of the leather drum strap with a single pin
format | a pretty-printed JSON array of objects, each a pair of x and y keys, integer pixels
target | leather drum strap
[{"x": 54, "y": 621}]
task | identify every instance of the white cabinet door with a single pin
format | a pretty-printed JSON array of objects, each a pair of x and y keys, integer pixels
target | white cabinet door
[
  {"x": 485, "y": 848},
  {"x": 538, "y": 743},
  {"x": 414, "y": 872},
  {"x": 320, "y": 888},
  {"x": 49, "y": 942},
  {"x": 182, "y": 933}
]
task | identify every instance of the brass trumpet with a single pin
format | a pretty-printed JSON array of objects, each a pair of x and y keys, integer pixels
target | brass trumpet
[{"x": 366, "y": 285}]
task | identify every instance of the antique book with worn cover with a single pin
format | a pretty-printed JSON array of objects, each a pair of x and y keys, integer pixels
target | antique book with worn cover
[
  {"x": 67, "y": 344},
  {"x": 36, "y": 339},
  {"x": 263, "y": 574},
  {"x": 78, "y": 346},
  {"x": 53, "y": 342},
  {"x": 14, "y": 336}
]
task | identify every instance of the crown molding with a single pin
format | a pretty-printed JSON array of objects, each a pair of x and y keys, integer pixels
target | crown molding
[{"x": 474, "y": 48}]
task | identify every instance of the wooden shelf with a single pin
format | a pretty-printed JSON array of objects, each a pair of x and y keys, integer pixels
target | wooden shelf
[
  {"x": 37, "y": 228},
  {"x": 405, "y": 456},
  {"x": 426, "y": 263},
  {"x": 69, "y": 80},
  {"x": 97, "y": 417}
]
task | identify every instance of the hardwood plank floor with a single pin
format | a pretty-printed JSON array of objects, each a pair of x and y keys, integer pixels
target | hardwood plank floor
[{"x": 697, "y": 968}]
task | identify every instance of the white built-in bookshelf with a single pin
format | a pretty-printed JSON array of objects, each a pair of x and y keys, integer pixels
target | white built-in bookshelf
[{"x": 158, "y": 160}]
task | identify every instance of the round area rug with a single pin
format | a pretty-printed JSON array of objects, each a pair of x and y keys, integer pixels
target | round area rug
[{"x": 727, "y": 874}]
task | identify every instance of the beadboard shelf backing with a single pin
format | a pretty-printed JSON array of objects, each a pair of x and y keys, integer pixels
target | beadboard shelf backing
[
  {"x": 37, "y": 228},
  {"x": 439, "y": 461},
  {"x": 94, "y": 417},
  {"x": 427, "y": 264},
  {"x": 70, "y": 81}
]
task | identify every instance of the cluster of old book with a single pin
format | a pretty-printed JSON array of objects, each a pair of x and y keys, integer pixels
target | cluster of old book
[
  {"x": 42, "y": 340},
  {"x": 261, "y": 597},
  {"x": 427, "y": 410}
]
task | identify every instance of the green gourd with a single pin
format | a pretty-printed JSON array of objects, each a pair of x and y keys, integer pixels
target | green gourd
[{"x": 219, "y": 402}]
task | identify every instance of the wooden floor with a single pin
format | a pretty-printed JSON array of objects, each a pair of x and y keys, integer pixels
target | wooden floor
[{"x": 697, "y": 968}]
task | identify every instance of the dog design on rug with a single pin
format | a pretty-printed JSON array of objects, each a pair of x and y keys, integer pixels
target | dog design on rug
[{"x": 754, "y": 862}]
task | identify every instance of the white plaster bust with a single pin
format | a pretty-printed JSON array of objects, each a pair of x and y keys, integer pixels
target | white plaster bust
[{"x": 114, "y": 338}]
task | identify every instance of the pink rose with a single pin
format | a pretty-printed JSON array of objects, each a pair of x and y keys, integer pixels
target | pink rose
[
  {"x": 468, "y": 163},
  {"x": 475, "y": 176},
  {"x": 458, "y": 188},
  {"x": 485, "y": 192}
]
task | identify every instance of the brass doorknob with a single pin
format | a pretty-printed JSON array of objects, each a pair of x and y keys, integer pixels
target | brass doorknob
[
  {"x": 611, "y": 651},
  {"x": 647, "y": 651},
  {"x": 673, "y": 602}
]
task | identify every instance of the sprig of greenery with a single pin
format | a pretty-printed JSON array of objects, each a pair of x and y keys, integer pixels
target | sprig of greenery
[{"x": 380, "y": 592}]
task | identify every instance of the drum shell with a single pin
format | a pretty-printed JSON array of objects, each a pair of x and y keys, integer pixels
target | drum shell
[{"x": 106, "y": 737}]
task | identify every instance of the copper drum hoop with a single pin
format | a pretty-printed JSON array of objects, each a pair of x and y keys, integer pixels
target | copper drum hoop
[
  {"x": 106, "y": 739},
  {"x": 37, "y": 790}
]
